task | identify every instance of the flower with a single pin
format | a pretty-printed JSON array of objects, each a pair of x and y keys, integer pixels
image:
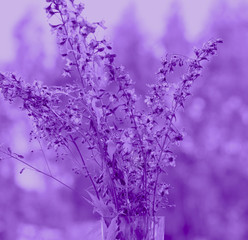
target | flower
[{"x": 98, "y": 114}]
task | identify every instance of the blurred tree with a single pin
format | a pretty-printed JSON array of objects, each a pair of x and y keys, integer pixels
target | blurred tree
[
  {"x": 210, "y": 178},
  {"x": 130, "y": 46},
  {"x": 174, "y": 40}
]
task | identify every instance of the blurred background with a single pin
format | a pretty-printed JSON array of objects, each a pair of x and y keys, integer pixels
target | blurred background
[{"x": 209, "y": 194}]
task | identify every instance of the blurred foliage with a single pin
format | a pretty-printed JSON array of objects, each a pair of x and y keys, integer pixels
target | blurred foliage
[{"x": 211, "y": 174}]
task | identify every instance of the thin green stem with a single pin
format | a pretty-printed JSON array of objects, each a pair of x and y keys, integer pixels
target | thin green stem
[
  {"x": 71, "y": 45},
  {"x": 84, "y": 164},
  {"x": 105, "y": 163},
  {"x": 38, "y": 170},
  {"x": 159, "y": 159}
]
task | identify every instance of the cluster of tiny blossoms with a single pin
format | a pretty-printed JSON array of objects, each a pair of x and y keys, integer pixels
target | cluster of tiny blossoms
[{"x": 97, "y": 114}]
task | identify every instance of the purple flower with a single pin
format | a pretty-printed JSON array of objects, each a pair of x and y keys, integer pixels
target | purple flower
[{"x": 99, "y": 114}]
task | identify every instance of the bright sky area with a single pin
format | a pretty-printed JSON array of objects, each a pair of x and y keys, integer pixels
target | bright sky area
[{"x": 151, "y": 14}]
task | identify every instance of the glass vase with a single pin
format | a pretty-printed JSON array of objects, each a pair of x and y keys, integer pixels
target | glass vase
[{"x": 133, "y": 228}]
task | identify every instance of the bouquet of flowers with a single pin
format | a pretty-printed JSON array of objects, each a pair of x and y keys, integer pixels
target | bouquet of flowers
[{"x": 126, "y": 139}]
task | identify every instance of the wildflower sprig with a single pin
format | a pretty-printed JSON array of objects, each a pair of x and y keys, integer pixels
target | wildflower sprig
[
  {"x": 99, "y": 115},
  {"x": 162, "y": 113}
]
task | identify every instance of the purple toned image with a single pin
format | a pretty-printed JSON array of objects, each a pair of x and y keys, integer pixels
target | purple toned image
[{"x": 123, "y": 120}]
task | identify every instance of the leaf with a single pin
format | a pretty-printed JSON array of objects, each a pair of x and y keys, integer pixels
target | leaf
[
  {"x": 2, "y": 76},
  {"x": 51, "y": 13},
  {"x": 63, "y": 41},
  {"x": 112, "y": 230},
  {"x": 111, "y": 148},
  {"x": 55, "y": 26},
  {"x": 219, "y": 40},
  {"x": 9, "y": 150},
  {"x": 18, "y": 155},
  {"x": 99, "y": 206},
  {"x": 101, "y": 24},
  {"x": 101, "y": 49}
]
